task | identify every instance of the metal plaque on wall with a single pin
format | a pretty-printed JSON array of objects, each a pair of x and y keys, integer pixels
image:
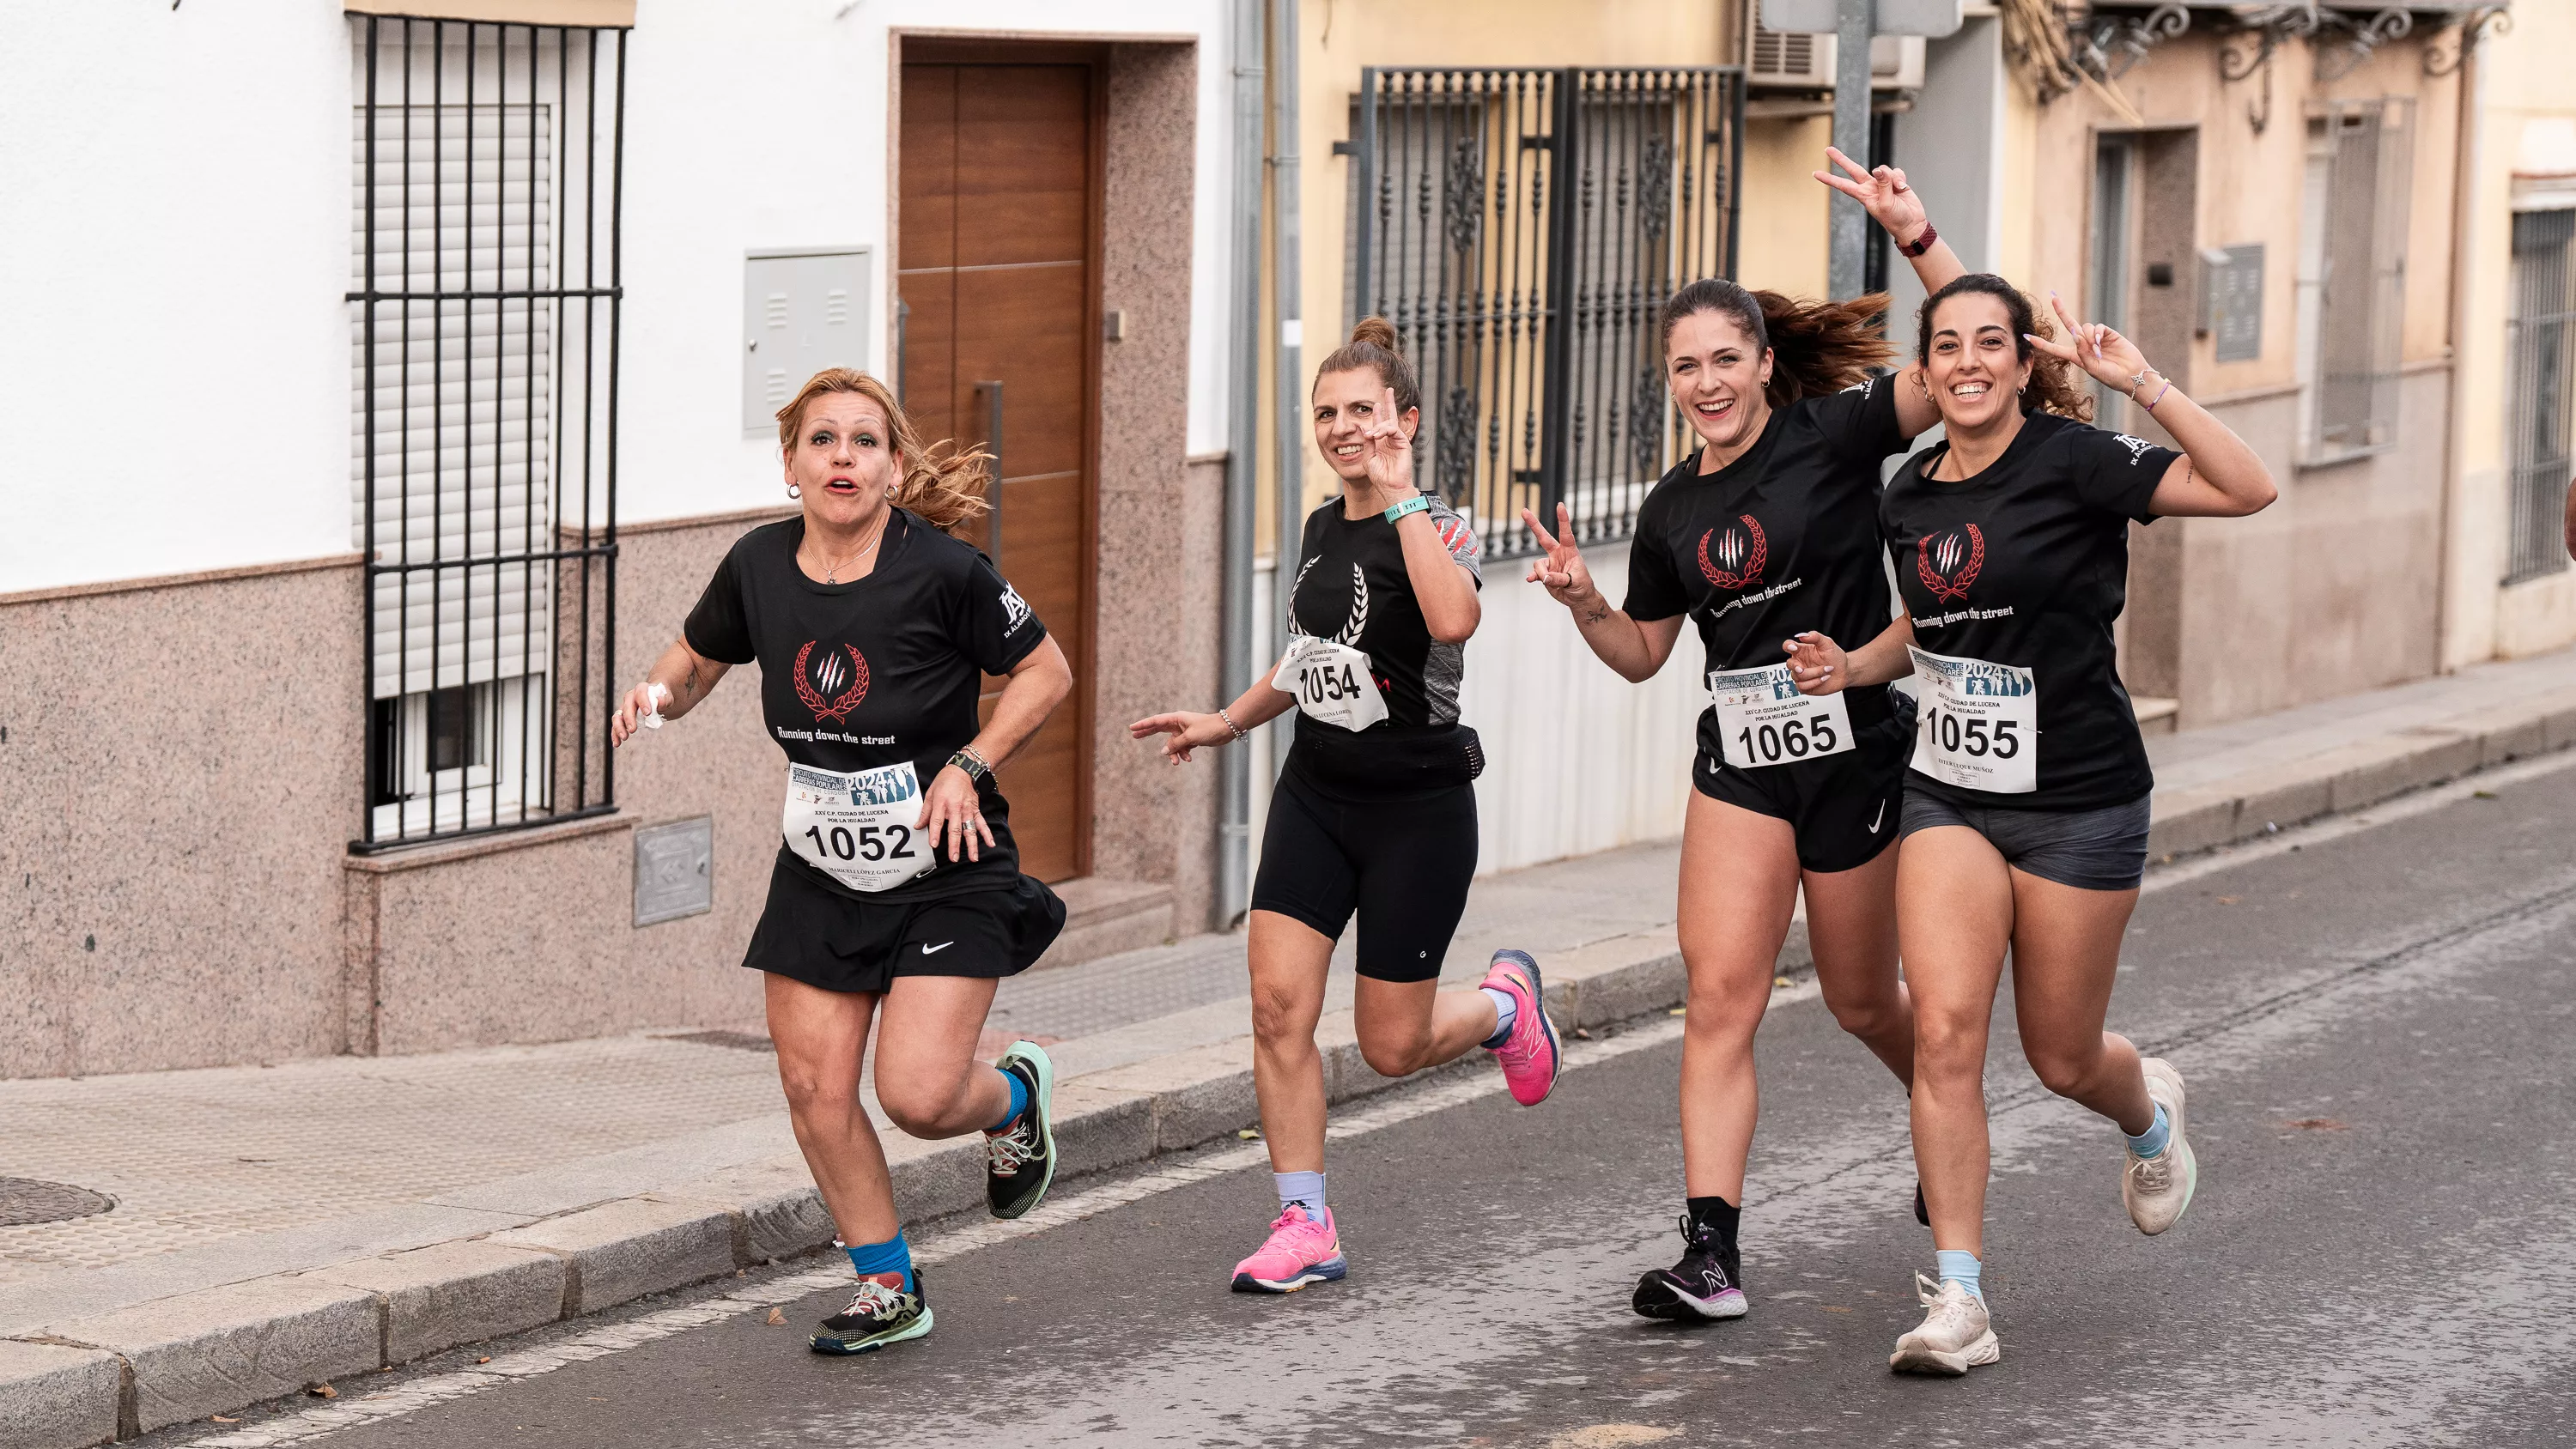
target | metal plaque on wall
[
  {"x": 2231, "y": 300},
  {"x": 675, "y": 870}
]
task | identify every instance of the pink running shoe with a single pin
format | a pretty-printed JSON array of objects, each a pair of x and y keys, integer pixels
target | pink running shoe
[
  {"x": 1301, "y": 1250},
  {"x": 1528, "y": 1055}
]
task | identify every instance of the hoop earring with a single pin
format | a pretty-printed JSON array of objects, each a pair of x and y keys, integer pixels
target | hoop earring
[{"x": 795, "y": 492}]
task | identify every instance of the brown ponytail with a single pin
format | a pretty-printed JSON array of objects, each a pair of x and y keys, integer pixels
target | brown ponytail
[
  {"x": 1816, "y": 347},
  {"x": 1373, "y": 346},
  {"x": 943, "y": 485}
]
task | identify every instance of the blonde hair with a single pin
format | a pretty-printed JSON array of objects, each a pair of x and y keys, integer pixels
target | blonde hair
[{"x": 943, "y": 485}]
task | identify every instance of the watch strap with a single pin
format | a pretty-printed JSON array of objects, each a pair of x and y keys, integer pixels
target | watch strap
[
  {"x": 1922, "y": 243},
  {"x": 1415, "y": 504}
]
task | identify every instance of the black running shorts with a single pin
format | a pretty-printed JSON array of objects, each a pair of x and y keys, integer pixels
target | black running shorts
[
  {"x": 1844, "y": 808},
  {"x": 1403, "y": 865},
  {"x": 823, "y": 938},
  {"x": 2094, "y": 850}
]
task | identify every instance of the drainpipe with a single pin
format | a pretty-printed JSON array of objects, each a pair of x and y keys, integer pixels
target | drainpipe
[
  {"x": 1243, "y": 439},
  {"x": 2464, "y": 188},
  {"x": 1288, "y": 366}
]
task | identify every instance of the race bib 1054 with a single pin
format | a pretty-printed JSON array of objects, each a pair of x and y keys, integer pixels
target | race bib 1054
[
  {"x": 1762, "y": 719},
  {"x": 858, "y": 829},
  {"x": 1332, "y": 682},
  {"x": 1979, "y": 728}
]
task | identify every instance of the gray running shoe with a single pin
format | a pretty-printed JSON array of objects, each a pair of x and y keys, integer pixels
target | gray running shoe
[
  {"x": 1956, "y": 1336},
  {"x": 2158, "y": 1188},
  {"x": 1019, "y": 1165}
]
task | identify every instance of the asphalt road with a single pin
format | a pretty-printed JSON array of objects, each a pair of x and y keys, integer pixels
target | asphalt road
[{"x": 2379, "y": 1040}]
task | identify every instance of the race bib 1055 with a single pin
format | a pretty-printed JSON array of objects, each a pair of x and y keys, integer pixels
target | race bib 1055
[{"x": 1979, "y": 728}]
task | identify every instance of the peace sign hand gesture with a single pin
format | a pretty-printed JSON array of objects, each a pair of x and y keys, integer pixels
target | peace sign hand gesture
[
  {"x": 1560, "y": 568},
  {"x": 1390, "y": 451},
  {"x": 2108, "y": 357},
  {"x": 1882, "y": 193}
]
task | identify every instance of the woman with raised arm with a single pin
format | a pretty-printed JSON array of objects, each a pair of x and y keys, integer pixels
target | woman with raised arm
[
  {"x": 1374, "y": 813},
  {"x": 1765, "y": 534},
  {"x": 2026, "y": 800},
  {"x": 889, "y": 903}
]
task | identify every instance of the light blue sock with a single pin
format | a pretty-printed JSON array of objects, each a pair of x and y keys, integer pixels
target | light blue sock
[
  {"x": 1300, "y": 1189},
  {"x": 1019, "y": 1102},
  {"x": 894, "y": 1255},
  {"x": 1506, "y": 1011},
  {"x": 1962, "y": 1269},
  {"x": 2153, "y": 1140}
]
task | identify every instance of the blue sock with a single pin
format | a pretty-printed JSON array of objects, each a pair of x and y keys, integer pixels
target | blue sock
[
  {"x": 1019, "y": 1102},
  {"x": 1302, "y": 1189},
  {"x": 894, "y": 1255},
  {"x": 2153, "y": 1140},
  {"x": 1506, "y": 1011},
  {"x": 1962, "y": 1269}
]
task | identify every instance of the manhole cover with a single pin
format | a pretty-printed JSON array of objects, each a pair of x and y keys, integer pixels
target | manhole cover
[{"x": 24, "y": 1200}]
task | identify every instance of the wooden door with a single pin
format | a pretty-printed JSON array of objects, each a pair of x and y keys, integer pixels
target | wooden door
[{"x": 996, "y": 255}]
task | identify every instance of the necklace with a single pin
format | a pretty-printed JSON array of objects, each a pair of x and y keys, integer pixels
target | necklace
[{"x": 832, "y": 571}]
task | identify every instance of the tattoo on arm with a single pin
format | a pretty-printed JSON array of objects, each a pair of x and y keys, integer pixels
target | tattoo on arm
[
  {"x": 689, "y": 684},
  {"x": 1596, "y": 614}
]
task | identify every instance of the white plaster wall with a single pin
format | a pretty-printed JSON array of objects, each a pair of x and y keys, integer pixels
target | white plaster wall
[{"x": 178, "y": 208}]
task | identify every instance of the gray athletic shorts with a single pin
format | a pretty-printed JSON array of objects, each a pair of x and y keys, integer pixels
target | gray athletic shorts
[{"x": 2094, "y": 850}]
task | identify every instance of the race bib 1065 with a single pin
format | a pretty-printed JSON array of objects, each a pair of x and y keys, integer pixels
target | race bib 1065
[
  {"x": 1762, "y": 719},
  {"x": 858, "y": 829},
  {"x": 1979, "y": 728}
]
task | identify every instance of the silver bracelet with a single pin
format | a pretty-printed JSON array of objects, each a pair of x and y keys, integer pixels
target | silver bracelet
[{"x": 1231, "y": 726}]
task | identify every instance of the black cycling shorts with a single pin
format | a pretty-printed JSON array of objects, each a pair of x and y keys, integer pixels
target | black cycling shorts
[
  {"x": 1403, "y": 865},
  {"x": 1844, "y": 807},
  {"x": 2094, "y": 850},
  {"x": 818, "y": 936}
]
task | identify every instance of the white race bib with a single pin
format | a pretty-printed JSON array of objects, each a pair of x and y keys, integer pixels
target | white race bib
[
  {"x": 1762, "y": 719},
  {"x": 1332, "y": 682},
  {"x": 1979, "y": 728},
  {"x": 858, "y": 829}
]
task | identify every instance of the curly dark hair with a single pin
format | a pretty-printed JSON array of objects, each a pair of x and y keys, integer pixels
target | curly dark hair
[
  {"x": 1816, "y": 347},
  {"x": 2054, "y": 385}
]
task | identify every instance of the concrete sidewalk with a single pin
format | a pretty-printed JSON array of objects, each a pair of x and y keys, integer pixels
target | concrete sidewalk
[{"x": 278, "y": 1226}]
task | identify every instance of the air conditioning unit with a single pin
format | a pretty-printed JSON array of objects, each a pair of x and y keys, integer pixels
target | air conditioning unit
[{"x": 1795, "y": 60}]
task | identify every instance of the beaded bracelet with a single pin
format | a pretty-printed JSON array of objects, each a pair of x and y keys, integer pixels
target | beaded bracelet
[{"x": 1231, "y": 727}]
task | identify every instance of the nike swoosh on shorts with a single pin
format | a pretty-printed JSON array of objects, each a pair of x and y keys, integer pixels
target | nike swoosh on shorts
[{"x": 928, "y": 949}]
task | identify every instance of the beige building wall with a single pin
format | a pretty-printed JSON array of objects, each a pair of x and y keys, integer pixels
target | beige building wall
[{"x": 2523, "y": 106}]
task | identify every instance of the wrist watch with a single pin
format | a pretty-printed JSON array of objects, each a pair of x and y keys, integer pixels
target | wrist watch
[{"x": 1415, "y": 504}]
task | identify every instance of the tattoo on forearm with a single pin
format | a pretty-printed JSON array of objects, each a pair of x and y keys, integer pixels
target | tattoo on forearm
[
  {"x": 689, "y": 684},
  {"x": 1596, "y": 613}
]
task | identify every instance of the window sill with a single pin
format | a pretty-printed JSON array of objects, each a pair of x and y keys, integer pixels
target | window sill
[
  {"x": 388, "y": 857},
  {"x": 2324, "y": 461}
]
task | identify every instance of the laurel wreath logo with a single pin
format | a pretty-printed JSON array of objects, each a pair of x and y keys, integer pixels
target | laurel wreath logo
[
  {"x": 1954, "y": 588},
  {"x": 839, "y": 707},
  {"x": 1756, "y": 554}
]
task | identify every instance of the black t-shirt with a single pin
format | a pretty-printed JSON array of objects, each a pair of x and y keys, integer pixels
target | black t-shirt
[
  {"x": 1351, "y": 587},
  {"x": 877, "y": 672},
  {"x": 2027, "y": 564},
  {"x": 1782, "y": 540}
]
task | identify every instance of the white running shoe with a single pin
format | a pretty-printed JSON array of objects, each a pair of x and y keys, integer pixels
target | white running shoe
[
  {"x": 2158, "y": 1188},
  {"x": 1956, "y": 1336}
]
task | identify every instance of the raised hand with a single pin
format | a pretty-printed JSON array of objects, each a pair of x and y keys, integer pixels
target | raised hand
[
  {"x": 1881, "y": 192},
  {"x": 1559, "y": 568},
  {"x": 2103, "y": 353},
  {"x": 1188, "y": 732},
  {"x": 1817, "y": 665},
  {"x": 1390, "y": 453}
]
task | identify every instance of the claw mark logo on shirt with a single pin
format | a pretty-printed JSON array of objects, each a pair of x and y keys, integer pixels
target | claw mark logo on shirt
[
  {"x": 833, "y": 685},
  {"x": 1357, "y": 620},
  {"x": 1948, "y": 562},
  {"x": 1740, "y": 555},
  {"x": 1015, "y": 610}
]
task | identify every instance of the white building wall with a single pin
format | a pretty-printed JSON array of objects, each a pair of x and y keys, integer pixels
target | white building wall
[{"x": 177, "y": 249}]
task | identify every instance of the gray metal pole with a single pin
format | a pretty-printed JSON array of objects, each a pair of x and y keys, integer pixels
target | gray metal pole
[
  {"x": 1290, "y": 368},
  {"x": 1848, "y": 234},
  {"x": 1236, "y": 667}
]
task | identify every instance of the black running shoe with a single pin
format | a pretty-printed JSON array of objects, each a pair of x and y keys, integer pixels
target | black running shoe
[
  {"x": 1019, "y": 1165},
  {"x": 878, "y": 1315},
  {"x": 1707, "y": 1283}
]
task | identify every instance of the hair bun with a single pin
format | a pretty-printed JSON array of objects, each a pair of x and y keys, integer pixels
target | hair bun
[{"x": 1375, "y": 331}]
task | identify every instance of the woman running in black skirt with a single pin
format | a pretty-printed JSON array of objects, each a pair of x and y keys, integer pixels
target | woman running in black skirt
[
  {"x": 897, "y": 893},
  {"x": 2027, "y": 791},
  {"x": 1764, "y": 535},
  {"x": 1374, "y": 812}
]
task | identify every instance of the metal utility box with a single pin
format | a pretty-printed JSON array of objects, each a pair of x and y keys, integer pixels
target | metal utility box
[
  {"x": 2231, "y": 300},
  {"x": 803, "y": 310},
  {"x": 675, "y": 870}
]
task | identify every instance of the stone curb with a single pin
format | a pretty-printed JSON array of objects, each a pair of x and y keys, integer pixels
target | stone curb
[
  {"x": 2260, "y": 802},
  {"x": 144, "y": 1367}
]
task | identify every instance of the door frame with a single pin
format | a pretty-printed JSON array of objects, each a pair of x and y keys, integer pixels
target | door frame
[{"x": 951, "y": 48}]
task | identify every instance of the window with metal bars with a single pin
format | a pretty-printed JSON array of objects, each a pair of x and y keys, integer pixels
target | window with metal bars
[
  {"x": 1521, "y": 227},
  {"x": 2540, "y": 389},
  {"x": 486, "y": 163},
  {"x": 2352, "y": 276}
]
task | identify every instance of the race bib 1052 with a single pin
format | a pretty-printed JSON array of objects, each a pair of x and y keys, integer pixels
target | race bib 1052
[
  {"x": 1762, "y": 719},
  {"x": 858, "y": 829},
  {"x": 1979, "y": 728}
]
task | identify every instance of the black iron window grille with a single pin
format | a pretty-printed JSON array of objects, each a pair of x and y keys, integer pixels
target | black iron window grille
[
  {"x": 2540, "y": 389},
  {"x": 484, "y": 324},
  {"x": 1521, "y": 227}
]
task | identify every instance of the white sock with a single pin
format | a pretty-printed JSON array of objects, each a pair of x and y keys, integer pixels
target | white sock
[{"x": 1506, "y": 1011}]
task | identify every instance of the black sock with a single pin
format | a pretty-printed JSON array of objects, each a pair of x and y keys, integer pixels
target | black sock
[{"x": 1717, "y": 1217}]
